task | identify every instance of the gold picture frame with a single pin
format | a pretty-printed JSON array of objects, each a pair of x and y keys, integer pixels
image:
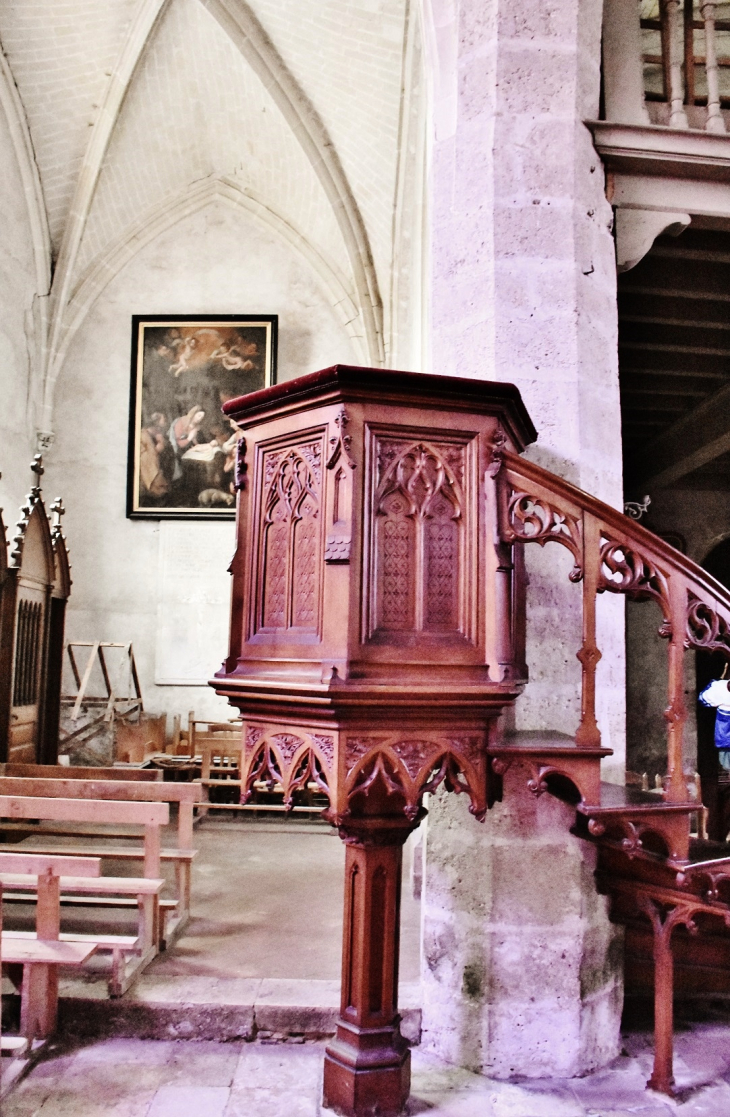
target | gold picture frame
[{"x": 182, "y": 448}]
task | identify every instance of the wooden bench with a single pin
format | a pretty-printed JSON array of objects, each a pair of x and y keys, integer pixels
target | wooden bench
[
  {"x": 76, "y": 772},
  {"x": 39, "y": 954},
  {"x": 176, "y": 913},
  {"x": 144, "y": 892}
]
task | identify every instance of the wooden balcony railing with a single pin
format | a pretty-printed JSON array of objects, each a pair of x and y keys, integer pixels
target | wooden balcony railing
[
  {"x": 686, "y": 60},
  {"x": 614, "y": 554}
]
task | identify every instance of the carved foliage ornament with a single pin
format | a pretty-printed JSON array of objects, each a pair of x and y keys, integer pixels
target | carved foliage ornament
[
  {"x": 626, "y": 571},
  {"x": 533, "y": 519},
  {"x": 706, "y": 629},
  {"x": 287, "y": 762},
  {"x": 32, "y": 500},
  {"x": 340, "y": 442},
  {"x": 408, "y": 768},
  {"x": 240, "y": 474}
]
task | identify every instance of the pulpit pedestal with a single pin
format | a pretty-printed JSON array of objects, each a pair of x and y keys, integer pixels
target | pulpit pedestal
[
  {"x": 367, "y": 1067},
  {"x": 376, "y": 636}
]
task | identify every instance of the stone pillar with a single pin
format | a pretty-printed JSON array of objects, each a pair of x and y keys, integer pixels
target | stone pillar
[
  {"x": 523, "y": 288},
  {"x": 522, "y": 972}
]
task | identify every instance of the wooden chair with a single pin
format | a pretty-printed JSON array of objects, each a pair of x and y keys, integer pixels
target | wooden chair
[
  {"x": 130, "y": 954},
  {"x": 220, "y": 747},
  {"x": 186, "y": 795}
]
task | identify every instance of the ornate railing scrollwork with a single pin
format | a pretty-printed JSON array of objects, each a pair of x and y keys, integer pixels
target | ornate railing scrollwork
[
  {"x": 533, "y": 520},
  {"x": 615, "y": 554},
  {"x": 706, "y": 629},
  {"x": 623, "y": 570}
]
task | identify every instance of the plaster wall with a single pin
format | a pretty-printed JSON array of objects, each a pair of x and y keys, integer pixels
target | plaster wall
[
  {"x": 523, "y": 289},
  {"x": 218, "y": 260},
  {"x": 17, "y": 290}
]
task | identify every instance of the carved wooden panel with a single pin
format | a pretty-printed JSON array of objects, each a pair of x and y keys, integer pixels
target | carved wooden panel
[
  {"x": 289, "y": 538},
  {"x": 418, "y": 523},
  {"x": 27, "y": 652}
]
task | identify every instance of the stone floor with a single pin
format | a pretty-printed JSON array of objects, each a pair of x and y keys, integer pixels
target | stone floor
[
  {"x": 147, "y": 1078},
  {"x": 252, "y": 884},
  {"x": 250, "y": 943}
]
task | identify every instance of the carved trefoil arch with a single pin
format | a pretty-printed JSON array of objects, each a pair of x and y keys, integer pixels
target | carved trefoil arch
[
  {"x": 289, "y": 499},
  {"x": 418, "y": 538}
]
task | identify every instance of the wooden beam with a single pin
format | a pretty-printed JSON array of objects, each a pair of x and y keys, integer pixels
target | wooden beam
[
  {"x": 671, "y": 292},
  {"x": 691, "y": 323},
  {"x": 690, "y": 350},
  {"x": 652, "y": 392},
  {"x": 628, "y": 370},
  {"x": 699, "y": 437}
]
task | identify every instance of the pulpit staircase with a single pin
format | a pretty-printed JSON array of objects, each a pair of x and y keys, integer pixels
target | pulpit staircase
[
  {"x": 651, "y": 862},
  {"x": 378, "y": 624}
]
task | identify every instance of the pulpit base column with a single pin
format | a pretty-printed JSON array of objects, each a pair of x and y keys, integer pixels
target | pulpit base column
[{"x": 367, "y": 1069}]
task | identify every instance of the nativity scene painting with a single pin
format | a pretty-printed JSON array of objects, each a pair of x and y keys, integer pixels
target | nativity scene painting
[{"x": 182, "y": 452}]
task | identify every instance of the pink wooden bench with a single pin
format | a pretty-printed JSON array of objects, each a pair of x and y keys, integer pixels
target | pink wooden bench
[
  {"x": 130, "y": 954},
  {"x": 176, "y": 912}
]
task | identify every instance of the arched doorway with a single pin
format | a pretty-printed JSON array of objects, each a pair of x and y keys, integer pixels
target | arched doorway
[{"x": 708, "y": 666}]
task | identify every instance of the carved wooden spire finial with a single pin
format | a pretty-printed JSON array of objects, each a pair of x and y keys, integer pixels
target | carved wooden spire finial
[
  {"x": 59, "y": 512},
  {"x": 36, "y": 466}
]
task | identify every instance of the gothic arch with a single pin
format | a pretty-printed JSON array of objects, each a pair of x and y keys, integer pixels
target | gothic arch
[
  {"x": 237, "y": 19},
  {"x": 25, "y": 155},
  {"x": 167, "y": 214},
  {"x": 246, "y": 32}
]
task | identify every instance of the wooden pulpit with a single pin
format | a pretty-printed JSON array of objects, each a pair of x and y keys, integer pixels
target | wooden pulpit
[{"x": 376, "y": 636}]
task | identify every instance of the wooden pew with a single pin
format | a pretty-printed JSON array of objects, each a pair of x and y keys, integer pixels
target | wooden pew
[
  {"x": 186, "y": 795},
  {"x": 39, "y": 955},
  {"x": 77, "y": 772},
  {"x": 146, "y": 892}
]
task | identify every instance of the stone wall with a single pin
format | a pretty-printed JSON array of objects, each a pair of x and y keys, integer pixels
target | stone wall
[
  {"x": 523, "y": 288},
  {"x": 17, "y": 297},
  {"x": 165, "y": 586}
]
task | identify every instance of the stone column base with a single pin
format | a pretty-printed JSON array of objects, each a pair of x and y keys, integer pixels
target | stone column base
[{"x": 522, "y": 971}]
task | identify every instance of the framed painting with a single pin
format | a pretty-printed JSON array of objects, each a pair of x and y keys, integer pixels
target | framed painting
[{"x": 182, "y": 449}]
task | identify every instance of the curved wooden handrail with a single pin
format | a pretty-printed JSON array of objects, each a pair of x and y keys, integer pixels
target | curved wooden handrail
[{"x": 616, "y": 554}]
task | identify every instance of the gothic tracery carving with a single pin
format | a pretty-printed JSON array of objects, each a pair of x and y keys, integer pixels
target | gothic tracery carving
[
  {"x": 418, "y": 510},
  {"x": 291, "y": 538}
]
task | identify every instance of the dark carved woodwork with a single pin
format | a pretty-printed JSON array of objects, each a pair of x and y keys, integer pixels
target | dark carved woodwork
[
  {"x": 60, "y": 594},
  {"x": 7, "y": 629},
  {"x": 378, "y": 634},
  {"x": 35, "y": 586},
  {"x": 367, "y": 1064}
]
